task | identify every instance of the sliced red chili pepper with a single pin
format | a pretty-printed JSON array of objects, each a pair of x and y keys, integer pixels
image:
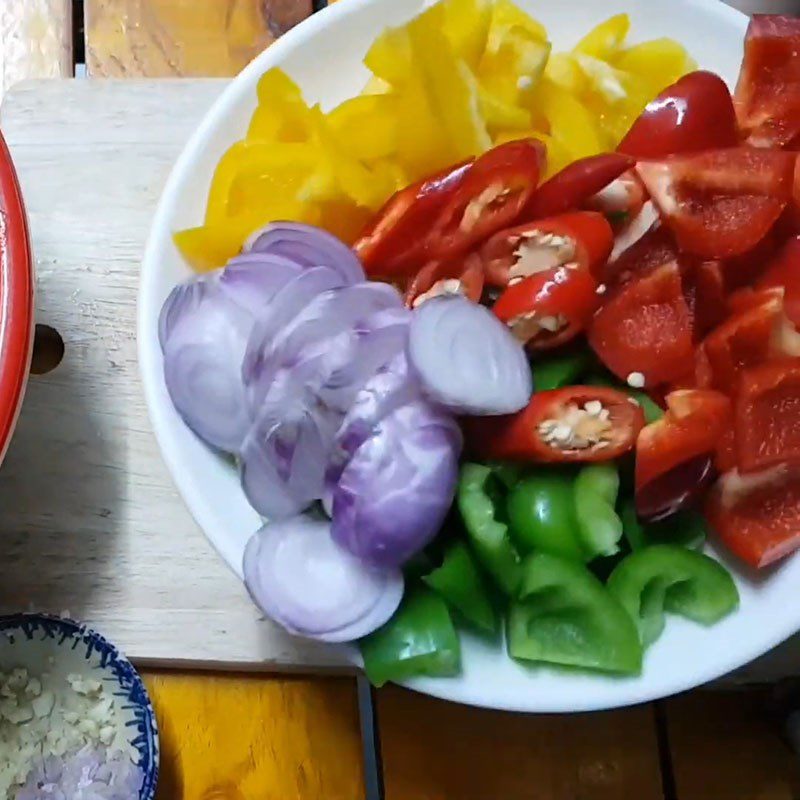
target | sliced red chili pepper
[
  {"x": 643, "y": 330},
  {"x": 768, "y": 415},
  {"x": 391, "y": 244},
  {"x": 784, "y": 271},
  {"x": 549, "y": 308},
  {"x": 621, "y": 200},
  {"x": 767, "y": 94},
  {"x": 757, "y": 517},
  {"x": 577, "y": 423},
  {"x": 756, "y": 331},
  {"x": 581, "y": 237},
  {"x": 674, "y": 456},
  {"x": 568, "y": 189},
  {"x": 694, "y": 113},
  {"x": 460, "y": 276},
  {"x": 495, "y": 190},
  {"x": 720, "y": 203}
]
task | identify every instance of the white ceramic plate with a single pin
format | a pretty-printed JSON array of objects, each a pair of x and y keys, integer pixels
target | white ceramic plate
[{"x": 324, "y": 55}]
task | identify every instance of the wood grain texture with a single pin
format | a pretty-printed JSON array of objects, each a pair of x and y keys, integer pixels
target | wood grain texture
[
  {"x": 157, "y": 38},
  {"x": 434, "y": 750},
  {"x": 247, "y": 738},
  {"x": 91, "y": 520},
  {"x": 725, "y": 747},
  {"x": 35, "y": 40}
]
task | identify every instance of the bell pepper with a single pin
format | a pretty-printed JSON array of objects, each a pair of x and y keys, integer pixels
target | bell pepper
[
  {"x": 644, "y": 328},
  {"x": 573, "y": 424},
  {"x": 757, "y": 516},
  {"x": 606, "y": 39},
  {"x": 572, "y": 125},
  {"x": 541, "y": 515},
  {"x": 490, "y": 539},
  {"x": 767, "y": 403},
  {"x": 418, "y": 640},
  {"x": 490, "y": 198},
  {"x": 570, "y": 188},
  {"x": 460, "y": 584},
  {"x": 664, "y": 577},
  {"x": 282, "y": 115},
  {"x": 366, "y": 126},
  {"x": 784, "y": 272},
  {"x": 564, "y": 615},
  {"x": 684, "y": 528},
  {"x": 580, "y": 238},
  {"x": 756, "y": 331},
  {"x": 674, "y": 456},
  {"x": 391, "y": 246},
  {"x": 561, "y": 370},
  {"x": 657, "y": 63},
  {"x": 595, "y": 496},
  {"x": 466, "y": 26},
  {"x": 550, "y": 308}
]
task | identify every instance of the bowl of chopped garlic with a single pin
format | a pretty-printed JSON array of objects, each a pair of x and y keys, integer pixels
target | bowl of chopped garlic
[{"x": 75, "y": 717}]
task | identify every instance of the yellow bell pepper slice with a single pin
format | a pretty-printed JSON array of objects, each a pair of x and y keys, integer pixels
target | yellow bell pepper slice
[
  {"x": 572, "y": 125},
  {"x": 389, "y": 56},
  {"x": 282, "y": 114},
  {"x": 466, "y": 26},
  {"x": 562, "y": 69},
  {"x": 500, "y": 115},
  {"x": 605, "y": 40},
  {"x": 366, "y": 126},
  {"x": 452, "y": 91},
  {"x": 603, "y": 79},
  {"x": 505, "y": 17},
  {"x": 278, "y": 162},
  {"x": 657, "y": 63}
]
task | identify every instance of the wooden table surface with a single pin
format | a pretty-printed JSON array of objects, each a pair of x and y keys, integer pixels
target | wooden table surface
[{"x": 247, "y": 737}]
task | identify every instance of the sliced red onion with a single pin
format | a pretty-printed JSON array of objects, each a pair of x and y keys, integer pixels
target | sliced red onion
[
  {"x": 393, "y": 495},
  {"x": 204, "y": 336},
  {"x": 307, "y": 246},
  {"x": 252, "y": 281},
  {"x": 466, "y": 359},
  {"x": 307, "y": 583},
  {"x": 323, "y": 317}
]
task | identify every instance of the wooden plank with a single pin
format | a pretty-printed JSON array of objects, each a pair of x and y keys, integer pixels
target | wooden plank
[
  {"x": 157, "y": 38},
  {"x": 91, "y": 521},
  {"x": 724, "y": 746},
  {"x": 238, "y": 737},
  {"x": 35, "y": 40},
  {"x": 434, "y": 750}
]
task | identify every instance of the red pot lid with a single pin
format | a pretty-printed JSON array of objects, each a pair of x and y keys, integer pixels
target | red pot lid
[{"x": 16, "y": 297}]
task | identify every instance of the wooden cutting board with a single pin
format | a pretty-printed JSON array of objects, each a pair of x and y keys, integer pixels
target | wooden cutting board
[{"x": 91, "y": 522}]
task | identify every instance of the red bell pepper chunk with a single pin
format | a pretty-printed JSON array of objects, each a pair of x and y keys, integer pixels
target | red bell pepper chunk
[
  {"x": 653, "y": 249},
  {"x": 767, "y": 96},
  {"x": 574, "y": 424},
  {"x": 767, "y": 408},
  {"x": 725, "y": 457},
  {"x": 391, "y": 245},
  {"x": 643, "y": 330},
  {"x": 757, "y": 517},
  {"x": 491, "y": 197},
  {"x": 549, "y": 308},
  {"x": 570, "y": 188},
  {"x": 720, "y": 203},
  {"x": 694, "y": 113},
  {"x": 583, "y": 238},
  {"x": 461, "y": 276},
  {"x": 756, "y": 331},
  {"x": 784, "y": 271},
  {"x": 674, "y": 455},
  {"x": 704, "y": 288}
]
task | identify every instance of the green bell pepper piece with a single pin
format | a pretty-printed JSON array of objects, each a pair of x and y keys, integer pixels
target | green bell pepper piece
[
  {"x": 664, "y": 577},
  {"x": 564, "y": 615},
  {"x": 685, "y": 528},
  {"x": 489, "y": 537},
  {"x": 458, "y": 581},
  {"x": 599, "y": 526},
  {"x": 418, "y": 640},
  {"x": 560, "y": 371},
  {"x": 652, "y": 410},
  {"x": 541, "y": 514},
  {"x": 507, "y": 473}
]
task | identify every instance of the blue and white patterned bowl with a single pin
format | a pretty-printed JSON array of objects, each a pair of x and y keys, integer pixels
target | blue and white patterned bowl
[{"x": 30, "y": 640}]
